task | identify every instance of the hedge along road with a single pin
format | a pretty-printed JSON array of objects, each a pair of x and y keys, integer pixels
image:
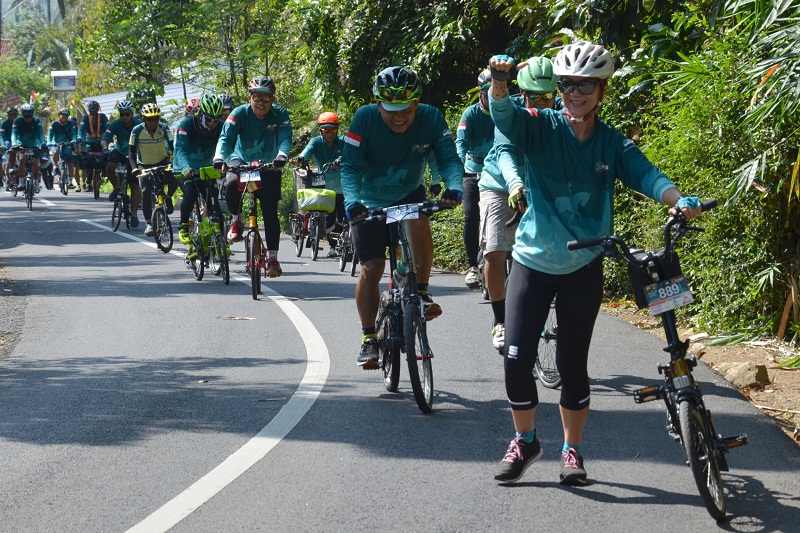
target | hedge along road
[{"x": 132, "y": 387}]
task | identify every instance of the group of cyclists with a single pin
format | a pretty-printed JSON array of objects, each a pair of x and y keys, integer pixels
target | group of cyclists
[{"x": 543, "y": 152}]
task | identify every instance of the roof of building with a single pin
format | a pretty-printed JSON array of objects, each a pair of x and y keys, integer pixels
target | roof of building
[{"x": 172, "y": 93}]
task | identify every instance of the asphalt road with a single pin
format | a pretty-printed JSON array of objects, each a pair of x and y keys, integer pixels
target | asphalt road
[{"x": 133, "y": 397}]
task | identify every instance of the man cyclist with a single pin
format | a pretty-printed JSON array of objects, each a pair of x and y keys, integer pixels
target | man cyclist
[
  {"x": 257, "y": 131},
  {"x": 119, "y": 132},
  {"x": 502, "y": 171},
  {"x": 26, "y": 132},
  {"x": 5, "y": 139},
  {"x": 384, "y": 158},
  {"x": 474, "y": 138},
  {"x": 62, "y": 131},
  {"x": 573, "y": 161},
  {"x": 90, "y": 132},
  {"x": 148, "y": 147},
  {"x": 227, "y": 106},
  {"x": 195, "y": 144},
  {"x": 327, "y": 148}
]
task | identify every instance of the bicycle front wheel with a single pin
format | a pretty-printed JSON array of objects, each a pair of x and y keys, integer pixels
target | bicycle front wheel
[
  {"x": 546, "y": 368},
  {"x": 354, "y": 264},
  {"x": 253, "y": 250},
  {"x": 195, "y": 258},
  {"x": 96, "y": 184},
  {"x": 219, "y": 258},
  {"x": 419, "y": 356},
  {"x": 389, "y": 351},
  {"x": 29, "y": 194},
  {"x": 702, "y": 459},
  {"x": 162, "y": 229},
  {"x": 315, "y": 234},
  {"x": 344, "y": 248},
  {"x": 297, "y": 234},
  {"x": 116, "y": 215}
]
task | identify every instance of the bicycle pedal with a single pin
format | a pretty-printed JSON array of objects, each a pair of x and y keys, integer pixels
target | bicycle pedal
[
  {"x": 371, "y": 364},
  {"x": 648, "y": 394},
  {"x": 734, "y": 441}
]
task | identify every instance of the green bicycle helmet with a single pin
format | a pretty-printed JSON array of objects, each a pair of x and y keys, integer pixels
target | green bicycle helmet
[
  {"x": 396, "y": 87},
  {"x": 537, "y": 76},
  {"x": 211, "y": 105}
]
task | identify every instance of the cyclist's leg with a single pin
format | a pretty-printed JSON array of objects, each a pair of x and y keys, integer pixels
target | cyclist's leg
[
  {"x": 577, "y": 306},
  {"x": 146, "y": 186},
  {"x": 421, "y": 240},
  {"x": 269, "y": 211},
  {"x": 369, "y": 240},
  {"x": 111, "y": 171},
  {"x": 190, "y": 192},
  {"x": 471, "y": 219},
  {"x": 496, "y": 241}
]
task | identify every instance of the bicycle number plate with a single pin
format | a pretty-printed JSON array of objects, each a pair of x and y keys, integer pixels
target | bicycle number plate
[
  {"x": 401, "y": 212},
  {"x": 250, "y": 175},
  {"x": 668, "y": 294}
]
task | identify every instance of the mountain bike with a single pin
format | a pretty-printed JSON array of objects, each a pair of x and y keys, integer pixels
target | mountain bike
[
  {"x": 29, "y": 187},
  {"x": 208, "y": 246},
  {"x": 400, "y": 323},
  {"x": 255, "y": 250},
  {"x": 64, "y": 180},
  {"x": 162, "y": 228},
  {"x": 95, "y": 164},
  {"x": 658, "y": 283},
  {"x": 314, "y": 202},
  {"x": 344, "y": 246},
  {"x": 122, "y": 202}
]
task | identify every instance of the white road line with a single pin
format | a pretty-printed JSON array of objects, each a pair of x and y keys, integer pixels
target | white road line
[{"x": 256, "y": 448}]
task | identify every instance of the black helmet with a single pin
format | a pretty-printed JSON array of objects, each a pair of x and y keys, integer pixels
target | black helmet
[
  {"x": 261, "y": 84},
  {"x": 396, "y": 87},
  {"x": 92, "y": 106}
]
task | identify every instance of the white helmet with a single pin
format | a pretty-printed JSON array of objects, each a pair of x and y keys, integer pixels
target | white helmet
[{"x": 584, "y": 59}]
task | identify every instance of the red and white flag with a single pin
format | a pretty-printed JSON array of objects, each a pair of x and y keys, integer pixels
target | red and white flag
[{"x": 33, "y": 98}]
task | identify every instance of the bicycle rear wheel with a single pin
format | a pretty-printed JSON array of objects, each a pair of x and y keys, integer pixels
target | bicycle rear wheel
[
  {"x": 344, "y": 246},
  {"x": 194, "y": 257},
  {"x": 219, "y": 258},
  {"x": 546, "y": 368},
  {"x": 419, "y": 356},
  {"x": 162, "y": 229},
  {"x": 253, "y": 250},
  {"x": 701, "y": 455},
  {"x": 297, "y": 234},
  {"x": 388, "y": 350},
  {"x": 116, "y": 215},
  {"x": 96, "y": 183},
  {"x": 29, "y": 194}
]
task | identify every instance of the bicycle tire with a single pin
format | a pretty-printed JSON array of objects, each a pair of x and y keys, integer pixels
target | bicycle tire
[
  {"x": 197, "y": 263},
  {"x": 546, "y": 368},
  {"x": 388, "y": 350},
  {"x": 418, "y": 355},
  {"x": 15, "y": 188},
  {"x": 344, "y": 248},
  {"x": 297, "y": 232},
  {"x": 29, "y": 194},
  {"x": 354, "y": 264},
  {"x": 162, "y": 229},
  {"x": 116, "y": 215},
  {"x": 315, "y": 234},
  {"x": 253, "y": 260},
  {"x": 126, "y": 210},
  {"x": 96, "y": 184},
  {"x": 224, "y": 264},
  {"x": 700, "y": 453}
]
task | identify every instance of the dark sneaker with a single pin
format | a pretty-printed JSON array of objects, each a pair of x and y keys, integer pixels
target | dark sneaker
[
  {"x": 519, "y": 457},
  {"x": 332, "y": 253},
  {"x": 235, "y": 231},
  {"x": 432, "y": 309},
  {"x": 572, "y": 472},
  {"x": 134, "y": 221},
  {"x": 368, "y": 355},
  {"x": 112, "y": 196},
  {"x": 274, "y": 269}
]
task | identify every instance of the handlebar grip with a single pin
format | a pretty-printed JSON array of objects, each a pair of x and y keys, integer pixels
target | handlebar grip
[
  {"x": 585, "y": 243},
  {"x": 500, "y": 75},
  {"x": 709, "y": 205}
]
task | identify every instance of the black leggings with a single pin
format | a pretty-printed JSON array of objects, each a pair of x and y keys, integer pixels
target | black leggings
[
  {"x": 528, "y": 300},
  {"x": 472, "y": 219}
]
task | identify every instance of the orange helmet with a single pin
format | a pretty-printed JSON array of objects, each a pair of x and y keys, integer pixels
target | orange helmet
[{"x": 328, "y": 121}]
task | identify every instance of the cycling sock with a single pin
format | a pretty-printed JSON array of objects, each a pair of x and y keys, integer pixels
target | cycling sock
[
  {"x": 567, "y": 445},
  {"x": 234, "y": 218},
  {"x": 499, "y": 311},
  {"x": 273, "y": 254},
  {"x": 422, "y": 288},
  {"x": 369, "y": 332},
  {"x": 527, "y": 436}
]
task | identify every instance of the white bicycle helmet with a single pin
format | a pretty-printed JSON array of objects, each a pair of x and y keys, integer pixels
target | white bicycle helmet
[{"x": 584, "y": 59}]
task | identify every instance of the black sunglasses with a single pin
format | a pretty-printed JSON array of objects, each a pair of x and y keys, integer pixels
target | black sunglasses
[
  {"x": 583, "y": 86},
  {"x": 126, "y": 114}
]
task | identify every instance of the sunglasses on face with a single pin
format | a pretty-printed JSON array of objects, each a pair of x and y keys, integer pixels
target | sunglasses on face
[
  {"x": 126, "y": 114},
  {"x": 329, "y": 130},
  {"x": 262, "y": 98},
  {"x": 539, "y": 96},
  {"x": 583, "y": 86},
  {"x": 151, "y": 119}
]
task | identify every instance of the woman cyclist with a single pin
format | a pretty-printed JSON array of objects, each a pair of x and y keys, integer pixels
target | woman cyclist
[{"x": 327, "y": 148}]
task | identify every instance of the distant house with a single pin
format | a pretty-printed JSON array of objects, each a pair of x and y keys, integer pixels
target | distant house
[{"x": 7, "y": 101}]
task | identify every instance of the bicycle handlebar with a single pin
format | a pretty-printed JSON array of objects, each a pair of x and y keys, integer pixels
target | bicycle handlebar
[
  {"x": 251, "y": 167},
  {"x": 610, "y": 243},
  {"x": 427, "y": 207}
]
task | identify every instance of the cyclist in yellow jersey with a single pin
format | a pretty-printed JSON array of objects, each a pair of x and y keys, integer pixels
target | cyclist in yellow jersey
[{"x": 148, "y": 148}]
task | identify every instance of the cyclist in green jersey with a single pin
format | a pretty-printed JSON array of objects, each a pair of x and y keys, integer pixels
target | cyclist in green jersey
[
  {"x": 93, "y": 127},
  {"x": 386, "y": 150},
  {"x": 62, "y": 131},
  {"x": 27, "y": 132},
  {"x": 119, "y": 132}
]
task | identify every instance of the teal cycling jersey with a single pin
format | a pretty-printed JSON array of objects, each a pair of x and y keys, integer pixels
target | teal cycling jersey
[
  {"x": 92, "y": 129},
  {"x": 27, "y": 134},
  {"x": 504, "y": 165},
  {"x": 61, "y": 133},
  {"x": 570, "y": 184},
  {"x": 5, "y": 131},
  {"x": 120, "y": 134},
  {"x": 194, "y": 147},
  {"x": 380, "y": 167},
  {"x": 474, "y": 137},
  {"x": 324, "y": 154},
  {"x": 247, "y": 138}
]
